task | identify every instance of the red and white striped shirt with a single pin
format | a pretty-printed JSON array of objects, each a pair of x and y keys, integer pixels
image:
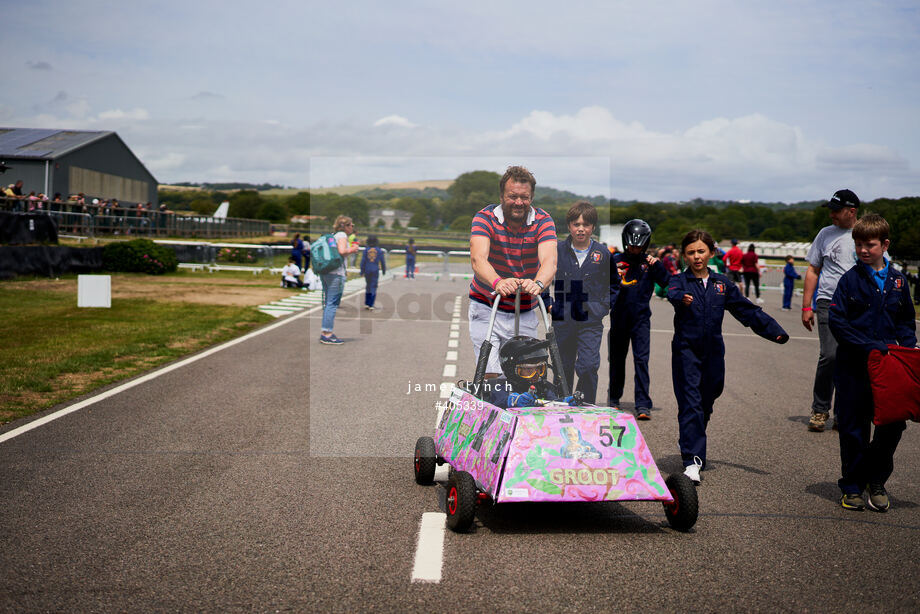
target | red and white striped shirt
[{"x": 511, "y": 254}]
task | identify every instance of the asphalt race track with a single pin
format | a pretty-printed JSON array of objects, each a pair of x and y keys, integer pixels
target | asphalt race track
[{"x": 276, "y": 475}]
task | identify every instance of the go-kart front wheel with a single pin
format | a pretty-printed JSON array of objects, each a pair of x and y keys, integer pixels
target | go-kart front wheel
[
  {"x": 425, "y": 461},
  {"x": 461, "y": 501},
  {"x": 683, "y": 512}
]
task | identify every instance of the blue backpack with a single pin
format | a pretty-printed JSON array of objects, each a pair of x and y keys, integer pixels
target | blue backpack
[{"x": 324, "y": 255}]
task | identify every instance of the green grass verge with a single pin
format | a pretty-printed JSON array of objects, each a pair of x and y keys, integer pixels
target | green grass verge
[{"x": 54, "y": 351}]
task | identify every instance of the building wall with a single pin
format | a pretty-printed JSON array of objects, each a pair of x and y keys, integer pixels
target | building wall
[
  {"x": 32, "y": 173},
  {"x": 105, "y": 169}
]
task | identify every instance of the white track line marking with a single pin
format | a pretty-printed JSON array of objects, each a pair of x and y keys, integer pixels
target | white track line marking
[
  {"x": 155, "y": 374},
  {"x": 450, "y": 371},
  {"x": 429, "y": 551},
  {"x": 451, "y": 356}
]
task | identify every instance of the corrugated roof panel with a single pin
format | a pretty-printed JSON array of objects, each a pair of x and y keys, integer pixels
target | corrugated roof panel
[
  {"x": 13, "y": 139},
  {"x": 42, "y": 143}
]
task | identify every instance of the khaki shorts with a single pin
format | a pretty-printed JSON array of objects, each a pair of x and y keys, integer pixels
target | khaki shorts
[{"x": 502, "y": 331}]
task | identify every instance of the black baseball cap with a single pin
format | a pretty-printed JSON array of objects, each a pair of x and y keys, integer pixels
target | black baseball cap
[{"x": 841, "y": 199}]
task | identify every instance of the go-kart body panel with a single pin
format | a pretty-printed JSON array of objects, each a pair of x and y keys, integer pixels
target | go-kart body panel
[{"x": 554, "y": 453}]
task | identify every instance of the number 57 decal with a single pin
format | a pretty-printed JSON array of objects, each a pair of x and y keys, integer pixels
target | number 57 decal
[{"x": 607, "y": 436}]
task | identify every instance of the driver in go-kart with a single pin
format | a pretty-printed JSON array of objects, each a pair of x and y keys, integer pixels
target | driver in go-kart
[{"x": 523, "y": 384}]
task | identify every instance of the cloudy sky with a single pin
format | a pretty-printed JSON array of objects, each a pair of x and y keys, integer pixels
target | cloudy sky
[{"x": 665, "y": 100}]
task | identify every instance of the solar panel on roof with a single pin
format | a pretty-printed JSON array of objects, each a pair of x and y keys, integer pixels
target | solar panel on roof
[
  {"x": 12, "y": 142},
  {"x": 41, "y": 143}
]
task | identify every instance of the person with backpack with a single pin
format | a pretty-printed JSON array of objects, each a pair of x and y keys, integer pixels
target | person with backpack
[{"x": 328, "y": 257}]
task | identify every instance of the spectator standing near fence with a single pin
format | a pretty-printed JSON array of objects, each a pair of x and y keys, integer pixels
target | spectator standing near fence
[
  {"x": 353, "y": 241},
  {"x": 410, "y": 259},
  {"x": 830, "y": 256},
  {"x": 750, "y": 270},
  {"x": 789, "y": 277},
  {"x": 512, "y": 247},
  {"x": 297, "y": 249},
  {"x": 733, "y": 262}
]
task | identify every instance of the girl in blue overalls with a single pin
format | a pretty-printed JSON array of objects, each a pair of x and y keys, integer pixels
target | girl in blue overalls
[
  {"x": 373, "y": 263},
  {"x": 700, "y": 298},
  {"x": 789, "y": 277}
]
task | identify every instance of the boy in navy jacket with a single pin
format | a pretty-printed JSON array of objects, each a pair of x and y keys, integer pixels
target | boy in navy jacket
[
  {"x": 373, "y": 263},
  {"x": 583, "y": 291},
  {"x": 700, "y": 298},
  {"x": 630, "y": 315},
  {"x": 871, "y": 308}
]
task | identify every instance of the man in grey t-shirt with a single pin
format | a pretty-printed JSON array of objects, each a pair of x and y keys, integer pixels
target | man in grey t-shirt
[{"x": 831, "y": 255}]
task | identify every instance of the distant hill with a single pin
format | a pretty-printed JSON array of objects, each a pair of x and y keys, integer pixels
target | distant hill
[
  {"x": 221, "y": 187},
  {"x": 426, "y": 189}
]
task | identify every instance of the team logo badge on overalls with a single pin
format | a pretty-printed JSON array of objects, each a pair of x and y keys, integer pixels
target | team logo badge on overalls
[
  {"x": 595, "y": 256},
  {"x": 720, "y": 287}
]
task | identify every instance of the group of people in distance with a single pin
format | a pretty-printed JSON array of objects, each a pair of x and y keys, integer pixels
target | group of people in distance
[{"x": 514, "y": 249}]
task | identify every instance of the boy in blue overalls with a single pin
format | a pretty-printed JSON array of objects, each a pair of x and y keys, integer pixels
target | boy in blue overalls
[
  {"x": 871, "y": 308},
  {"x": 629, "y": 319},
  {"x": 373, "y": 263},
  {"x": 789, "y": 277},
  {"x": 585, "y": 288}
]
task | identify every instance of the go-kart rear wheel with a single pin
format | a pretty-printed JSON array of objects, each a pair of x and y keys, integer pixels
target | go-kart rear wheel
[
  {"x": 425, "y": 460},
  {"x": 461, "y": 501},
  {"x": 683, "y": 512}
]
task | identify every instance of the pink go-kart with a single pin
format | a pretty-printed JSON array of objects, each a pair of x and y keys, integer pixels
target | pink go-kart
[{"x": 549, "y": 452}]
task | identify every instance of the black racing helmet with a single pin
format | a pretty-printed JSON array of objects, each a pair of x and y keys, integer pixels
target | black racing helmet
[
  {"x": 637, "y": 233},
  {"x": 523, "y": 360}
]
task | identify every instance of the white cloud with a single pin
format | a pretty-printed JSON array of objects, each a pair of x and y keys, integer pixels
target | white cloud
[
  {"x": 118, "y": 114},
  {"x": 394, "y": 120}
]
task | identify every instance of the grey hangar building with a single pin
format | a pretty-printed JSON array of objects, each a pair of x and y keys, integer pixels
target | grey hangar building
[{"x": 97, "y": 163}]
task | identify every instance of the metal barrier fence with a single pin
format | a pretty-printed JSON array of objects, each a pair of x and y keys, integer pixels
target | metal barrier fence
[{"x": 89, "y": 221}]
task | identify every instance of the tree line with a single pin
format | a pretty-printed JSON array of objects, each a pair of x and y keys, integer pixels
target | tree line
[{"x": 454, "y": 208}]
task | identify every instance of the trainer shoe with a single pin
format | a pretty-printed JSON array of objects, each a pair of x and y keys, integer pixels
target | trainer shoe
[
  {"x": 759, "y": 301},
  {"x": 818, "y": 422},
  {"x": 850, "y": 501},
  {"x": 330, "y": 339},
  {"x": 878, "y": 498},
  {"x": 693, "y": 471},
  {"x": 643, "y": 413}
]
